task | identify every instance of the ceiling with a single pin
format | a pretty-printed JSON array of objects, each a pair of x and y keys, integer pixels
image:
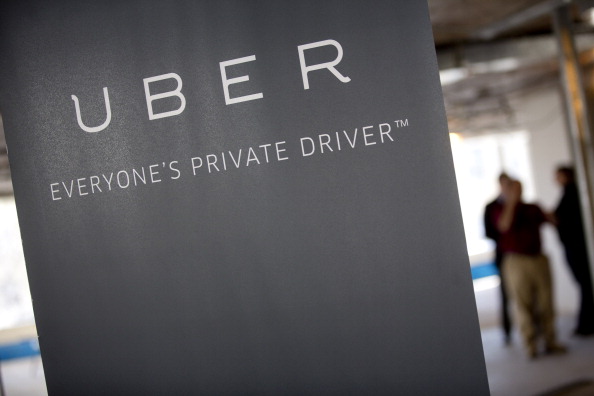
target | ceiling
[
  {"x": 469, "y": 21},
  {"x": 471, "y": 37},
  {"x": 495, "y": 50}
]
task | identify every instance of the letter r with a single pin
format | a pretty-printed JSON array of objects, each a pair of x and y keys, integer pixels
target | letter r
[
  {"x": 328, "y": 65},
  {"x": 176, "y": 92}
]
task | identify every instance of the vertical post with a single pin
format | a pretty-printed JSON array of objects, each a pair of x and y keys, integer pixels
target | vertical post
[{"x": 579, "y": 132}]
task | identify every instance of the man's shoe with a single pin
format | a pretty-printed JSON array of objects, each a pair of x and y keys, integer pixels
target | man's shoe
[
  {"x": 583, "y": 332},
  {"x": 532, "y": 353},
  {"x": 556, "y": 349}
]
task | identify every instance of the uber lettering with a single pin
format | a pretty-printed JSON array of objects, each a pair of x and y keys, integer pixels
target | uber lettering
[{"x": 226, "y": 82}]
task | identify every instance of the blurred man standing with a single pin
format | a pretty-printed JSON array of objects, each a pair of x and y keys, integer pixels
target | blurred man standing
[
  {"x": 527, "y": 275},
  {"x": 492, "y": 210},
  {"x": 568, "y": 218}
]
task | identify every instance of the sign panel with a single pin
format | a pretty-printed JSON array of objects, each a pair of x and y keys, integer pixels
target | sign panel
[{"x": 238, "y": 197}]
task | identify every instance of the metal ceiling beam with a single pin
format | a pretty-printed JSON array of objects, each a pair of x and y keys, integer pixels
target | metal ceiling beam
[
  {"x": 519, "y": 19},
  {"x": 585, "y": 4}
]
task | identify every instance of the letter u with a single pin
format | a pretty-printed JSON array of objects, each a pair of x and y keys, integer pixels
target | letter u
[{"x": 107, "y": 110}]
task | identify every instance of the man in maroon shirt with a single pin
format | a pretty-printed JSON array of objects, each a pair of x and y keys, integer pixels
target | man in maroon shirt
[{"x": 527, "y": 275}]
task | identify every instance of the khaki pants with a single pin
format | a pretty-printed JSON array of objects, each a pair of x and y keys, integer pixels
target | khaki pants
[{"x": 527, "y": 279}]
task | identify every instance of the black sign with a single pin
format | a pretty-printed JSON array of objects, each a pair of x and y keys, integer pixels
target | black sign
[{"x": 237, "y": 197}]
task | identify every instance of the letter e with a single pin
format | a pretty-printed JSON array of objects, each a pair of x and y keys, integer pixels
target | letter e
[{"x": 228, "y": 81}]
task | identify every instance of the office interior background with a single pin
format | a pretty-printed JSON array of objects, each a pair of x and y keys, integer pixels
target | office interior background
[{"x": 505, "y": 68}]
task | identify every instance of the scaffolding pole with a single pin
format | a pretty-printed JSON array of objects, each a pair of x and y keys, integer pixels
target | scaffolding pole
[{"x": 579, "y": 132}]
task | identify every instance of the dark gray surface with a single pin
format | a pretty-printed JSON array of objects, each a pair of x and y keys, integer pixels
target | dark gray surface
[{"x": 337, "y": 273}]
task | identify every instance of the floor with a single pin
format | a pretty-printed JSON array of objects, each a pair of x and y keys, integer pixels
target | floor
[
  {"x": 509, "y": 371},
  {"x": 23, "y": 377}
]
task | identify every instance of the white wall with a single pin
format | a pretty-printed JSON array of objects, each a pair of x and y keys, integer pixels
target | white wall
[{"x": 15, "y": 301}]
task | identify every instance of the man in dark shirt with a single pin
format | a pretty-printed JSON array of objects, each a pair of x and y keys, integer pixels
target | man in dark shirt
[
  {"x": 492, "y": 210},
  {"x": 571, "y": 232},
  {"x": 527, "y": 275}
]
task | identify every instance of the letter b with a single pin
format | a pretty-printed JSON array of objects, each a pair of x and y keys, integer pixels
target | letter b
[{"x": 176, "y": 92}]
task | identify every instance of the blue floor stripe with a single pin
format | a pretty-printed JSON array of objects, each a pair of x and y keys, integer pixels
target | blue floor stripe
[
  {"x": 483, "y": 270},
  {"x": 21, "y": 349}
]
